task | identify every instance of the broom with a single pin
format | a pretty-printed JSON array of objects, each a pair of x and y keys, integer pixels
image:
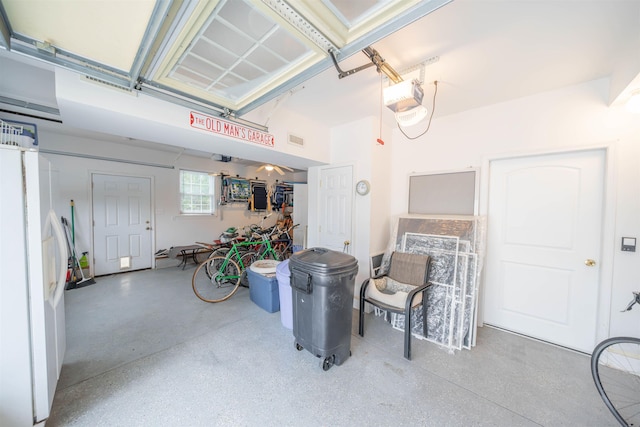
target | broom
[{"x": 85, "y": 280}]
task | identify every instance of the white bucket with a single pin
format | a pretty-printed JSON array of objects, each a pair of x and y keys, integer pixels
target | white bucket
[{"x": 264, "y": 266}]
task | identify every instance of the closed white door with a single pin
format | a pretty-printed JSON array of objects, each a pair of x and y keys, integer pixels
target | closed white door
[
  {"x": 122, "y": 223},
  {"x": 336, "y": 200},
  {"x": 544, "y": 240}
]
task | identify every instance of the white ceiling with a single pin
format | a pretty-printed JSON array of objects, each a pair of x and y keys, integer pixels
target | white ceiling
[{"x": 488, "y": 51}]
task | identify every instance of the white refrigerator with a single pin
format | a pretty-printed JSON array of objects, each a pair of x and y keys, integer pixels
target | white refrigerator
[{"x": 33, "y": 268}]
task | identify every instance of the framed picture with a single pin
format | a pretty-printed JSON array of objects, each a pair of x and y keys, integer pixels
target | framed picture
[
  {"x": 19, "y": 133},
  {"x": 239, "y": 189}
]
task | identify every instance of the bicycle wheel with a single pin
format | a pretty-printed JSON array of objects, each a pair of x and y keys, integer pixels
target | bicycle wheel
[
  {"x": 247, "y": 258},
  {"x": 615, "y": 366},
  {"x": 220, "y": 252},
  {"x": 283, "y": 250},
  {"x": 202, "y": 256},
  {"x": 221, "y": 284}
]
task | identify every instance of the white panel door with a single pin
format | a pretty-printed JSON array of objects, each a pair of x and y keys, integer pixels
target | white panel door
[
  {"x": 122, "y": 223},
  {"x": 336, "y": 200},
  {"x": 544, "y": 225}
]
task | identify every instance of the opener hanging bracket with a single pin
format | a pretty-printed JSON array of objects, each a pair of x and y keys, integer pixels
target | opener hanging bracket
[{"x": 376, "y": 60}]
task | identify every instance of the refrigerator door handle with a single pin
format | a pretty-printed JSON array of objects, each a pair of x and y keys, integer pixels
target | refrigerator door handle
[{"x": 53, "y": 221}]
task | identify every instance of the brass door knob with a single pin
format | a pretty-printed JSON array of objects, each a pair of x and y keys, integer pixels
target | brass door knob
[{"x": 589, "y": 262}]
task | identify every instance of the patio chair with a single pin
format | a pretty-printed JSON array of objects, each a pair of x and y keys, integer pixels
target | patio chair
[{"x": 402, "y": 288}]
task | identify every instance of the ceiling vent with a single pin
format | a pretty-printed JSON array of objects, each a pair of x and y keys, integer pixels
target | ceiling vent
[
  {"x": 103, "y": 83},
  {"x": 296, "y": 140}
]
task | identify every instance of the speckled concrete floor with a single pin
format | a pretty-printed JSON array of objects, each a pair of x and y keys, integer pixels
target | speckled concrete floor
[{"x": 142, "y": 350}]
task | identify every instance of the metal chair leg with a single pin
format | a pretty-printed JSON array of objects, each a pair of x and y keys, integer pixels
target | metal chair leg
[
  {"x": 407, "y": 334},
  {"x": 424, "y": 314}
]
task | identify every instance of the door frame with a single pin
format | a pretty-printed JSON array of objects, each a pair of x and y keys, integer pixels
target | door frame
[
  {"x": 321, "y": 169},
  {"x": 313, "y": 179},
  {"x": 151, "y": 207},
  {"x": 607, "y": 239}
]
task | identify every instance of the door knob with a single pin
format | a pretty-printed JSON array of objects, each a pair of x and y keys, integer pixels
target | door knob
[
  {"x": 148, "y": 228},
  {"x": 589, "y": 262}
]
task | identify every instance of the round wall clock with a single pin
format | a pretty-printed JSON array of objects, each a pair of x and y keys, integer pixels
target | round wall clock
[{"x": 363, "y": 187}]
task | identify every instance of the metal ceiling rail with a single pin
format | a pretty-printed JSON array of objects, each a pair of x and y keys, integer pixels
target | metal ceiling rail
[
  {"x": 29, "y": 105},
  {"x": 20, "y": 43},
  {"x": 300, "y": 23},
  {"x": 68, "y": 60},
  {"x": 5, "y": 28},
  {"x": 189, "y": 101},
  {"x": 177, "y": 17},
  {"x": 381, "y": 65},
  {"x": 158, "y": 16}
]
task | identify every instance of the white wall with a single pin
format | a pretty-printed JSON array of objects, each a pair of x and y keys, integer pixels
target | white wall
[
  {"x": 381, "y": 191},
  {"x": 355, "y": 144},
  {"x": 283, "y": 121},
  {"x": 170, "y": 227},
  {"x": 351, "y": 144},
  {"x": 91, "y": 106},
  {"x": 576, "y": 116}
]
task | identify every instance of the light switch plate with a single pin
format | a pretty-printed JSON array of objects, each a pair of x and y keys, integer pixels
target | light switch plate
[{"x": 628, "y": 244}]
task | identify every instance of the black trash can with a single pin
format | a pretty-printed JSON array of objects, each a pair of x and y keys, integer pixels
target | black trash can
[{"x": 322, "y": 282}]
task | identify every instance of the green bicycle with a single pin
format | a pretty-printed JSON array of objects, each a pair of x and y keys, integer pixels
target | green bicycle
[{"x": 219, "y": 277}]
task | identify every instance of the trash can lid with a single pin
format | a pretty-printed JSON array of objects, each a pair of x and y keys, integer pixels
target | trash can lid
[{"x": 322, "y": 260}]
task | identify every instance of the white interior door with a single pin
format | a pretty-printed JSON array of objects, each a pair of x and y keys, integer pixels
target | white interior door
[
  {"x": 336, "y": 205},
  {"x": 544, "y": 227},
  {"x": 300, "y": 214},
  {"x": 121, "y": 223}
]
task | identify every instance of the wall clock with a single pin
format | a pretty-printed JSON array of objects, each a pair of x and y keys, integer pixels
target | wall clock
[{"x": 363, "y": 187}]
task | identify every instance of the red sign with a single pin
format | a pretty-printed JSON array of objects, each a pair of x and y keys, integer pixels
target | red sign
[{"x": 223, "y": 127}]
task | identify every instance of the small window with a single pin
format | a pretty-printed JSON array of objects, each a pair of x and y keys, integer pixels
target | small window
[{"x": 197, "y": 193}]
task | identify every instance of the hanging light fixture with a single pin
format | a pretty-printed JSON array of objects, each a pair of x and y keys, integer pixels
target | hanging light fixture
[
  {"x": 270, "y": 168},
  {"x": 403, "y": 96},
  {"x": 412, "y": 116},
  {"x": 633, "y": 104},
  {"x": 405, "y": 100}
]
